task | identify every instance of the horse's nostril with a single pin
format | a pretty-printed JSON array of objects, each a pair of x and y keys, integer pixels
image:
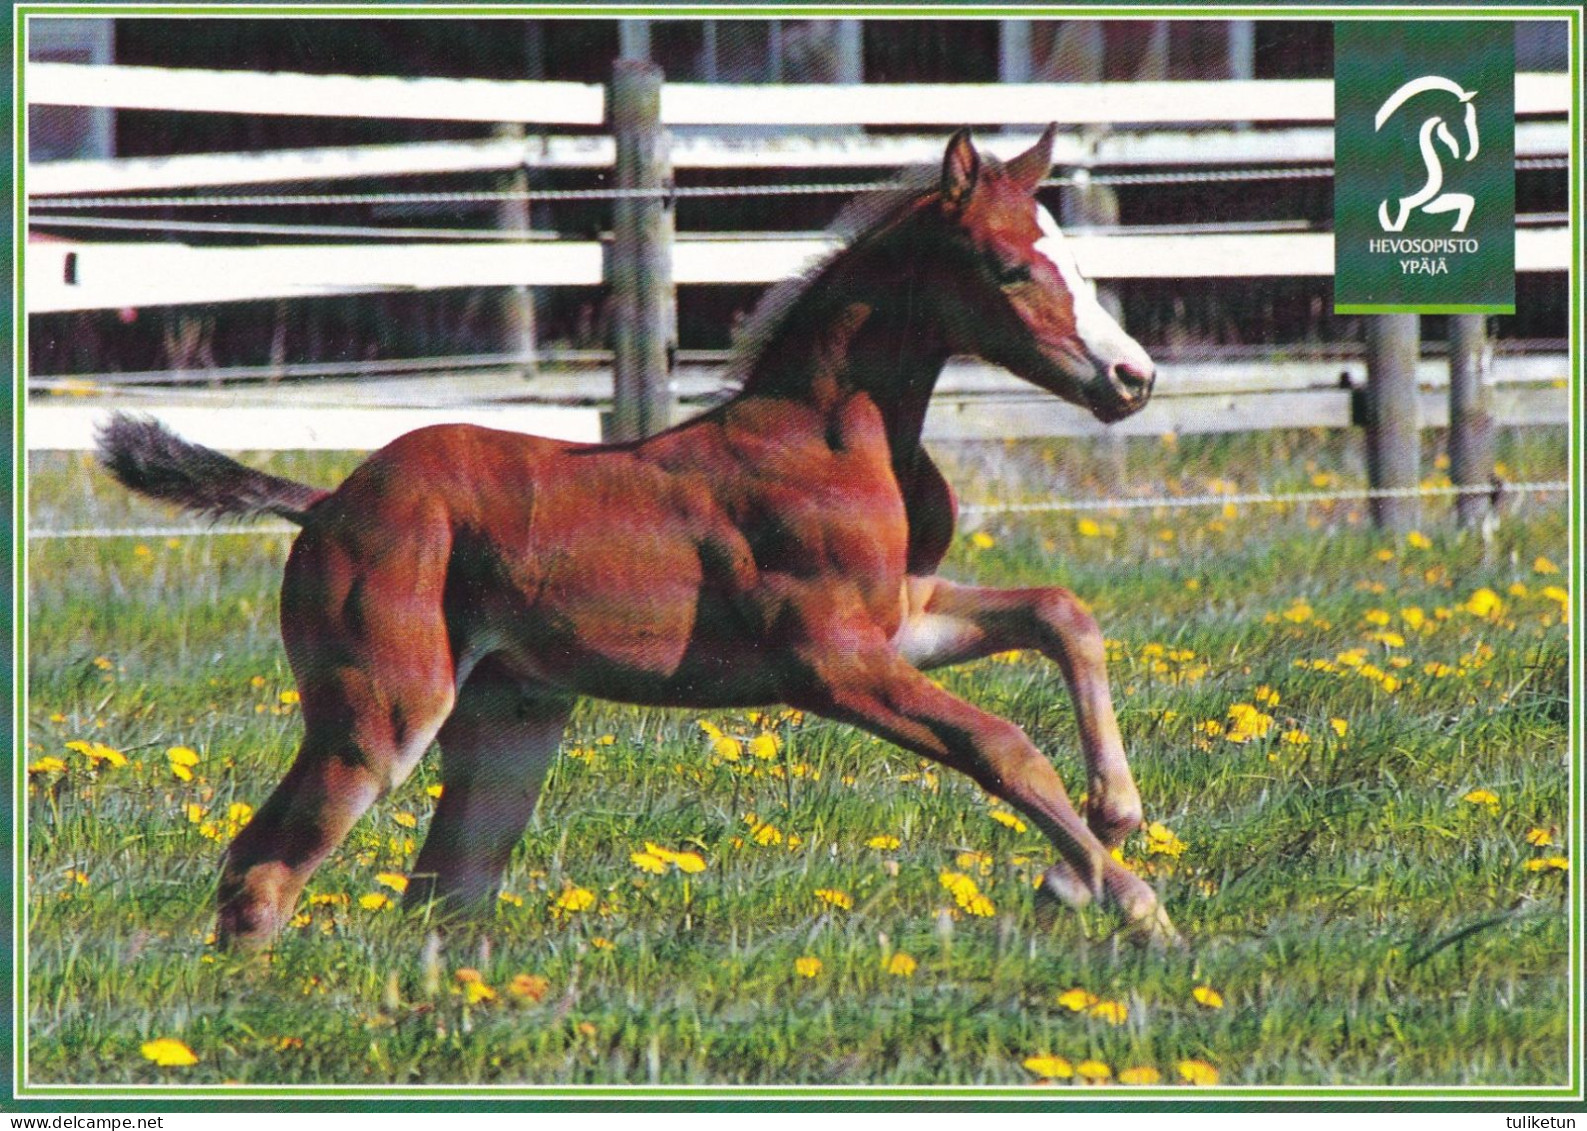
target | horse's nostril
[{"x": 1130, "y": 379}]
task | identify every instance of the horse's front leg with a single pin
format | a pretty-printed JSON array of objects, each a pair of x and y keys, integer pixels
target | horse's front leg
[
  {"x": 949, "y": 624},
  {"x": 878, "y": 690}
]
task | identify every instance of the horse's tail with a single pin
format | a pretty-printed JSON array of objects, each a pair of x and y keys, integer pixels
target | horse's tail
[{"x": 151, "y": 459}]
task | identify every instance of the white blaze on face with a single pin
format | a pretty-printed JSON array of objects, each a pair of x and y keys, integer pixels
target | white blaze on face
[{"x": 1103, "y": 337}]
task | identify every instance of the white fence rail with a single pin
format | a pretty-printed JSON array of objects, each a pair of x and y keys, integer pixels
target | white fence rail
[
  {"x": 697, "y": 104},
  {"x": 1289, "y": 117},
  {"x": 1297, "y": 145},
  {"x": 108, "y": 276}
]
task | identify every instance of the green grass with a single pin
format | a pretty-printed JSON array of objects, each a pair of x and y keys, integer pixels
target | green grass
[{"x": 1363, "y": 922}]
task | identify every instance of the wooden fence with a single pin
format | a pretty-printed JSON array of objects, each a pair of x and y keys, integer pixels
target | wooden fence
[{"x": 1211, "y": 125}]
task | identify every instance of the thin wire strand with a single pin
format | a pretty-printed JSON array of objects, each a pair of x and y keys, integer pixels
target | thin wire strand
[
  {"x": 702, "y": 192},
  {"x": 1553, "y": 486},
  {"x": 697, "y": 192},
  {"x": 526, "y": 235},
  {"x": 1253, "y": 498}
]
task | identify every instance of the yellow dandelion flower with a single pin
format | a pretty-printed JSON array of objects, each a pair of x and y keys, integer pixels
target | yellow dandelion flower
[
  {"x": 1093, "y": 1071},
  {"x": 727, "y": 748},
  {"x": 528, "y": 987},
  {"x": 957, "y": 883},
  {"x": 981, "y": 540},
  {"x": 406, "y": 820},
  {"x": 1086, "y": 528},
  {"x": 168, "y": 1052},
  {"x": 1484, "y": 603},
  {"x": 979, "y": 905},
  {"x": 980, "y": 861},
  {"x": 576, "y": 899},
  {"x": 77, "y": 877},
  {"x": 901, "y": 965},
  {"x": 1050, "y": 1067},
  {"x": 509, "y": 898},
  {"x": 434, "y": 790},
  {"x": 1482, "y": 797},
  {"x": 1163, "y": 841},
  {"x": 396, "y": 881},
  {"x": 1295, "y": 737},
  {"x": 883, "y": 843},
  {"x": 1077, "y": 1000},
  {"x": 1207, "y": 996},
  {"x": 1340, "y": 726},
  {"x": 764, "y": 747},
  {"x": 1543, "y": 565},
  {"x": 97, "y": 752},
  {"x": 601, "y": 943},
  {"x": 807, "y": 966},
  {"x": 1113, "y": 1012},
  {"x": 690, "y": 862},
  {"x": 1007, "y": 819},
  {"x": 1545, "y": 863},
  {"x": 1299, "y": 612},
  {"x": 1418, "y": 540},
  {"x": 646, "y": 862},
  {"x": 1143, "y": 1075},
  {"x": 1541, "y": 838},
  {"x": 842, "y": 900},
  {"x": 182, "y": 756},
  {"x": 1197, "y": 1072},
  {"x": 47, "y": 765},
  {"x": 374, "y": 901},
  {"x": 476, "y": 992}
]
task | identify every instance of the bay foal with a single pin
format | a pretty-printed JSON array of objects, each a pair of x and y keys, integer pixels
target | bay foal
[{"x": 466, "y": 585}]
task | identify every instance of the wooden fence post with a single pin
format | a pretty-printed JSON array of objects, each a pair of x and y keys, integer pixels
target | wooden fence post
[
  {"x": 1393, "y": 417},
  {"x": 639, "y": 268},
  {"x": 1470, "y": 418},
  {"x": 517, "y": 304}
]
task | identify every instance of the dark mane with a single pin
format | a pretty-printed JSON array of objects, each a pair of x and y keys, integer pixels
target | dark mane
[{"x": 866, "y": 214}]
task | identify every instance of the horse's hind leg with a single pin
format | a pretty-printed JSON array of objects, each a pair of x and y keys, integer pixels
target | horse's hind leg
[
  {"x": 374, "y": 671},
  {"x": 949, "y": 624},
  {"x": 496, "y": 748},
  {"x": 340, "y": 771}
]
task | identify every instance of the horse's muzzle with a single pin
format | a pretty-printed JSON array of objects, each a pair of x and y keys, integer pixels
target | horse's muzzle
[{"x": 1121, "y": 390}]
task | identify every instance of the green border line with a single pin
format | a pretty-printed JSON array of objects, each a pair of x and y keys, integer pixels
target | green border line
[
  {"x": 285, "y": 1098},
  {"x": 1427, "y": 308}
]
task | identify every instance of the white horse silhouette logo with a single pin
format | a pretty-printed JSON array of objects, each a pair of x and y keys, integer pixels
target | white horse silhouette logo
[{"x": 1430, "y": 198}]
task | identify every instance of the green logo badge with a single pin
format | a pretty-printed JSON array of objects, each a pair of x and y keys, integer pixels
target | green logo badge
[{"x": 1424, "y": 167}]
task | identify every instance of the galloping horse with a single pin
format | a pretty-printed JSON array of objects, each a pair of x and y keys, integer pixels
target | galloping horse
[{"x": 466, "y": 585}]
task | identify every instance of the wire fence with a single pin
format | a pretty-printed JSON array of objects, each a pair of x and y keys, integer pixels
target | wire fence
[
  {"x": 1498, "y": 490},
  {"x": 1080, "y": 178}
]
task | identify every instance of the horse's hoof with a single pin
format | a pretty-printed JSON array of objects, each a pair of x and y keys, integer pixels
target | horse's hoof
[{"x": 1155, "y": 930}]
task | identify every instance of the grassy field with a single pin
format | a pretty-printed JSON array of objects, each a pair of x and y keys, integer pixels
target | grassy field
[{"x": 1353, "y": 748}]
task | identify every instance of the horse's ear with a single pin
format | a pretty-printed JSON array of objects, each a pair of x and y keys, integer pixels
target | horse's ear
[
  {"x": 1030, "y": 168},
  {"x": 961, "y": 166}
]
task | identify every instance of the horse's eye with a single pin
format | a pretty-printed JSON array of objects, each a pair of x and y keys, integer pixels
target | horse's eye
[{"x": 1011, "y": 276}]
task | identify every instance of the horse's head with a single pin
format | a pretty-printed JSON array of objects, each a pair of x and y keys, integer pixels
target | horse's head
[{"x": 1019, "y": 299}]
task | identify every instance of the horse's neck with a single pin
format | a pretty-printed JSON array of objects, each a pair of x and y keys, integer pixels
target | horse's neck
[{"x": 866, "y": 329}]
